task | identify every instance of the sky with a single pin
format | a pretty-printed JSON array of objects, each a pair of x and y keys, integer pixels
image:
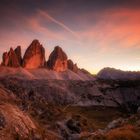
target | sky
[{"x": 94, "y": 33}]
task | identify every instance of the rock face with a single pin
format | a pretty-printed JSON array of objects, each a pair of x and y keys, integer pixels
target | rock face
[
  {"x": 10, "y": 59},
  {"x": 72, "y": 66},
  {"x": 34, "y": 56},
  {"x": 81, "y": 93},
  {"x": 5, "y": 59},
  {"x": 14, "y": 123},
  {"x": 18, "y": 53},
  {"x": 57, "y": 60}
]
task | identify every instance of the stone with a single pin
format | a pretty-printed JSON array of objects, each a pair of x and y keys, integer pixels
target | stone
[
  {"x": 57, "y": 60},
  {"x": 115, "y": 123},
  {"x": 34, "y": 56},
  {"x": 74, "y": 126}
]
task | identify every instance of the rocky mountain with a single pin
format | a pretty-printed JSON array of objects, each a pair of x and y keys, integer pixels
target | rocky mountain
[
  {"x": 55, "y": 100},
  {"x": 57, "y": 60},
  {"x": 34, "y": 56},
  {"x": 115, "y": 74},
  {"x": 33, "y": 65},
  {"x": 12, "y": 58},
  {"x": 19, "y": 55}
]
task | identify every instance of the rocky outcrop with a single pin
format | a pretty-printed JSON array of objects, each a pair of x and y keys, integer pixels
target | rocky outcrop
[
  {"x": 72, "y": 66},
  {"x": 34, "y": 56},
  {"x": 5, "y": 59},
  {"x": 82, "y": 93},
  {"x": 10, "y": 59},
  {"x": 14, "y": 122},
  {"x": 18, "y": 53},
  {"x": 57, "y": 60}
]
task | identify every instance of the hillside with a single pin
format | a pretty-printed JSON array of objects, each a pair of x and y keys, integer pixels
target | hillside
[{"x": 42, "y": 73}]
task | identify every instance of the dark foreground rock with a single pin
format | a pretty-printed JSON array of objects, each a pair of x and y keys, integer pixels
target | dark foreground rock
[{"x": 39, "y": 109}]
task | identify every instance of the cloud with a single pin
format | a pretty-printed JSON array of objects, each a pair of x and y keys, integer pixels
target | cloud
[
  {"x": 47, "y": 16},
  {"x": 35, "y": 26},
  {"x": 108, "y": 30},
  {"x": 113, "y": 30}
]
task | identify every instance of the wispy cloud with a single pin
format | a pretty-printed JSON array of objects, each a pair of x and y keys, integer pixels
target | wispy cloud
[{"x": 47, "y": 16}]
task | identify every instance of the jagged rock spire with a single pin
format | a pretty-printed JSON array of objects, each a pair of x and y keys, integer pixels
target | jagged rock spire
[
  {"x": 10, "y": 59},
  {"x": 57, "y": 60},
  {"x": 34, "y": 56}
]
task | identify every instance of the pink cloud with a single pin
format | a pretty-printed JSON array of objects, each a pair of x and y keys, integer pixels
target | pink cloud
[{"x": 120, "y": 26}]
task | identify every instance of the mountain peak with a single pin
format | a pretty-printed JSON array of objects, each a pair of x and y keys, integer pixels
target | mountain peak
[
  {"x": 10, "y": 59},
  {"x": 18, "y": 53},
  {"x": 11, "y": 50},
  {"x": 34, "y": 56},
  {"x": 35, "y": 42},
  {"x": 57, "y": 60}
]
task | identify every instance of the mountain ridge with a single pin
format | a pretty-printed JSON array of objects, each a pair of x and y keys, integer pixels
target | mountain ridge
[
  {"x": 117, "y": 74},
  {"x": 34, "y": 57}
]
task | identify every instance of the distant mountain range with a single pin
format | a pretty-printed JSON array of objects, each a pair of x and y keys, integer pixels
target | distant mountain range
[{"x": 115, "y": 74}]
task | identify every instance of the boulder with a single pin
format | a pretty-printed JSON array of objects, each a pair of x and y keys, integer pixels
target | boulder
[
  {"x": 34, "y": 56},
  {"x": 57, "y": 60}
]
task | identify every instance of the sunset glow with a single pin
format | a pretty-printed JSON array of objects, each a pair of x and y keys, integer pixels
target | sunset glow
[{"x": 94, "y": 33}]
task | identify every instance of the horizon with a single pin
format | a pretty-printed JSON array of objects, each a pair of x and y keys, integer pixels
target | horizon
[
  {"x": 48, "y": 54},
  {"x": 94, "y": 34}
]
